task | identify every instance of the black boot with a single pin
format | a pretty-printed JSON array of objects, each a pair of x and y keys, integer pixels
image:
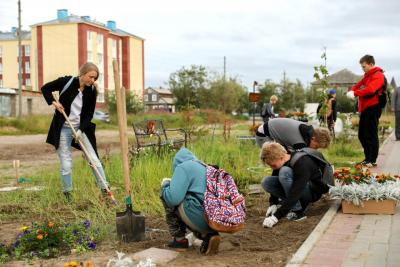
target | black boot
[{"x": 68, "y": 196}]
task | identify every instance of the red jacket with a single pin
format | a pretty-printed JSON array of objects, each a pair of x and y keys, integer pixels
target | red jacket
[{"x": 366, "y": 89}]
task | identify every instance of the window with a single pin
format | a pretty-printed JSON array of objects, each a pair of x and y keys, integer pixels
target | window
[
  {"x": 100, "y": 98},
  {"x": 27, "y": 50},
  {"x": 154, "y": 97},
  {"x": 28, "y": 82},
  {"x": 1, "y": 83},
  {"x": 89, "y": 56},
  {"x": 89, "y": 44},
  {"x": 100, "y": 60},
  {"x": 27, "y": 67},
  {"x": 146, "y": 97},
  {"x": 99, "y": 42}
]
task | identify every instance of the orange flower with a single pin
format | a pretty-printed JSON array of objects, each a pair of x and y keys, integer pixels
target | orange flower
[
  {"x": 73, "y": 264},
  {"x": 50, "y": 224},
  {"x": 40, "y": 236},
  {"x": 88, "y": 264}
]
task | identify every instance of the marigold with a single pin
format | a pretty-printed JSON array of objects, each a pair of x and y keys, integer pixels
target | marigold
[
  {"x": 40, "y": 237},
  {"x": 73, "y": 264},
  {"x": 88, "y": 264},
  {"x": 50, "y": 224}
]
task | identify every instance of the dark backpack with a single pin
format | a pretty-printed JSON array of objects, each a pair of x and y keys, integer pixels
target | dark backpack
[
  {"x": 382, "y": 94},
  {"x": 327, "y": 173}
]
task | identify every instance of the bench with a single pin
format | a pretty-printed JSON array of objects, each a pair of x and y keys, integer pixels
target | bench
[{"x": 153, "y": 134}]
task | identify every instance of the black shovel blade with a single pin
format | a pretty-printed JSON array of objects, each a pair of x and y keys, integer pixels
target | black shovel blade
[{"x": 130, "y": 226}]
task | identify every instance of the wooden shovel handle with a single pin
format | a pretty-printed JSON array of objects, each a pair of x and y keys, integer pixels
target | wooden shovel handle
[{"x": 121, "y": 112}]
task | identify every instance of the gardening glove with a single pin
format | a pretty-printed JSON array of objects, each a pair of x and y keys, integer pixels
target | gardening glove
[
  {"x": 165, "y": 182},
  {"x": 271, "y": 210},
  {"x": 350, "y": 94},
  {"x": 270, "y": 221},
  {"x": 78, "y": 136}
]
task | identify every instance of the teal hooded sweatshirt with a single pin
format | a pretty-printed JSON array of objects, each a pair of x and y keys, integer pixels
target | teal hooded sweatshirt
[{"x": 188, "y": 184}]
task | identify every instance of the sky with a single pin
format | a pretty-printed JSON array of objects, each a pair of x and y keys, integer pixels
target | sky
[{"x": 261, "y": 39}]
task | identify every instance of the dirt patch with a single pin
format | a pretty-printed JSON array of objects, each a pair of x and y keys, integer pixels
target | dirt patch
[
  {"x": 254, "y": 246},
  {"x": 34, "y": 153}
]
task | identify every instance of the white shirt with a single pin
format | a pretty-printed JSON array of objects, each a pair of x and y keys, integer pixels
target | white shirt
[{"x": 76, "y": 109}]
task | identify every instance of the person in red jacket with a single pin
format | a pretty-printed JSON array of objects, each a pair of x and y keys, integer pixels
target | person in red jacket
[{"x": 367, "y": 91}]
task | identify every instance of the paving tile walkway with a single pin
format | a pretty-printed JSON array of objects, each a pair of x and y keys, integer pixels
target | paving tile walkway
[{"x": 362, "y": 240}]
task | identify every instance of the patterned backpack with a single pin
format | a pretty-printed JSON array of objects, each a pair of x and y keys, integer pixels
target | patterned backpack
[{"x": 224, "y": 206}]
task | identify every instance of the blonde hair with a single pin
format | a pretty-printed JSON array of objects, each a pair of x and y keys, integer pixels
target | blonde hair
[
  {"x": 322, "y": 137},
  {"x": 88, "y": 66},
  {"x": 271, "y": 152},
  {"x": 273, "y": 97}
]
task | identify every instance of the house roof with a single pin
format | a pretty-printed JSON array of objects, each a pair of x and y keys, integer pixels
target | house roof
[
  {"x": 8, "y": 36},
  {"x": 161, "y": 90},
  {"x": 343, "y": 76},
  {"x": 82, "y": 19}
]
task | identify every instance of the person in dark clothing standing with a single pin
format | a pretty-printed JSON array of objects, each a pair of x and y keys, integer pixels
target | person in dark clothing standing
[
  {"x": 332, "y": 112},
  {"x": 395, "y": 105},
  {"x": 296, "y": 187},
  {"x": 367, "y": 90},
  {"x": 267, "y": 111},
  {"x": 78, "y": 100}
]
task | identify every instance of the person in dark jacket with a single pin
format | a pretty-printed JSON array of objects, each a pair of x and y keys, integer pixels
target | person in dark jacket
[
  {"x": 78, "y": 100},
  {"x": 295, "y": 186},
  {"x": 331, "y": 115},
  {"x": 183, "y": 197},
  {"x": 292, "y": 134},
  {"x": 367, "y": 91},
  {"x": 267, "y": 111},
  {"x": 395, "y": 106}
]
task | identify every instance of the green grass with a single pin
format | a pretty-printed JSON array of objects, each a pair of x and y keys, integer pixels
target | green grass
[
  {"x": 35, "y": 124},
  {"x": 39, "y": 124},
  {"x": 146, "y": 175}
]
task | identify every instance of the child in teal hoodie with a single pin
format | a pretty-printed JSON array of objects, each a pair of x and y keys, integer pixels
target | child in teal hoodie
[{"x": 183, "y": 202}]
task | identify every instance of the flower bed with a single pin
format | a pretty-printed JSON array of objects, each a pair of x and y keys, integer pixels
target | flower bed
[
  {"x": 357, "y": 187},
  {"x": 49, "y": 240}
]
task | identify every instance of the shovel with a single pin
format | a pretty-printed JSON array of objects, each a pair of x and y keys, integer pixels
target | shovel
[
  {"x": 86, "y": 153},
  {"x": 130, "y": 224}
]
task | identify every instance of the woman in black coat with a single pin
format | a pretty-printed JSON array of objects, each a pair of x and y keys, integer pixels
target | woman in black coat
[{"x": 78, "y": 100}]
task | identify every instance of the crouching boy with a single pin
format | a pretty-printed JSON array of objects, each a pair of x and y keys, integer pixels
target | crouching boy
[
  {"x": 183, "y": 197},
  {"x": 297, "y": 184}
]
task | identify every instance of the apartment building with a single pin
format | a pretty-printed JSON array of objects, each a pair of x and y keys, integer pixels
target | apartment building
[{"x": 60, "y": 46}]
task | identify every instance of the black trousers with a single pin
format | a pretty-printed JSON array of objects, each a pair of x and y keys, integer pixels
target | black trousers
[{"x": 368, "y": 132}]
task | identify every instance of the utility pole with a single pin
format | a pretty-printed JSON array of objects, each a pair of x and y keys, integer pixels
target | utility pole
[
  {"x": 19, "y": 62},
  {"x": 224, "y": 68}
]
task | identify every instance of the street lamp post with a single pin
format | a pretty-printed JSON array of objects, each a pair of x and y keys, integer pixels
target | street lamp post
[{"x": 255, "y": 104}]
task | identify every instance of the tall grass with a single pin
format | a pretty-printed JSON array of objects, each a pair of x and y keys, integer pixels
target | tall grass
[{"x": 146, "y": 175}]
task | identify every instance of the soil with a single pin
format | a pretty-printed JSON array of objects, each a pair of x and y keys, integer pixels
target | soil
[
  {"x": 33, "y": 151},
  {"x": 254, "y": 246}
]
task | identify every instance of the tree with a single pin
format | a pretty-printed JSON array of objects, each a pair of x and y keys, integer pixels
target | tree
[
  {"x": 225, "y": 95},
  {"x": 133, "y": 103},
  {"x": 291, "y": 95},
  {"x": 186, "y": 85}
]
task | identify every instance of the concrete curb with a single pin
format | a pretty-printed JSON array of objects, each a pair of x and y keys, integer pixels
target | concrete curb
[{"x": 301, "y": 254}]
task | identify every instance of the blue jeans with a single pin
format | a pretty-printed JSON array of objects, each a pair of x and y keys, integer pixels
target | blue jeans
[
  {"x": 65, "y": 154},
  {"x": 279, "y": 186}
]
